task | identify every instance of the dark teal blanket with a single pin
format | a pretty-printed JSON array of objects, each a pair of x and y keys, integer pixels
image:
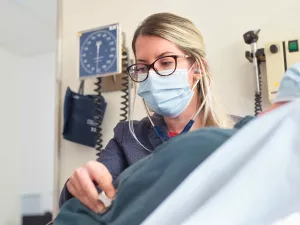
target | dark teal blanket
[{"x": 144, "y": 185}]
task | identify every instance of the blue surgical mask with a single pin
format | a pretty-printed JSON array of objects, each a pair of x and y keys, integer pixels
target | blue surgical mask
[{"x": 167, "y": 95}]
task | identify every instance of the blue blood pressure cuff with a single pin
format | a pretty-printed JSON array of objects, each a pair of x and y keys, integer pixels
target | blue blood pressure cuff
[{"x": 79, "y": 111}]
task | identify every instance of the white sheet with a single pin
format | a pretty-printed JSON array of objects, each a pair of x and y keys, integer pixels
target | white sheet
[{"x": 253, "y": 179}]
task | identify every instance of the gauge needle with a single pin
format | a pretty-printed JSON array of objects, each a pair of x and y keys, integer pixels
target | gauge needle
[
  {"x": 98, "y": 44},
  {"x": 114, "y": 79}
]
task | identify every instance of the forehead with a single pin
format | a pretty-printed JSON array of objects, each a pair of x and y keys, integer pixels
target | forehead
[{"x": 148, "y": 48}]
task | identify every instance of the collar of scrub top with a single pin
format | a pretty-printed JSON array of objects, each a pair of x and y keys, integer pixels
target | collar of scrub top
[
  {"x": 162, "y": 134},
  {"x": 160, "y": 127},
  {"x": 160, "y": 130}
]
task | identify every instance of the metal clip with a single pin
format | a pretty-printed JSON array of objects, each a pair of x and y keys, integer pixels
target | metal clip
[{"x": 105, "y": 200}]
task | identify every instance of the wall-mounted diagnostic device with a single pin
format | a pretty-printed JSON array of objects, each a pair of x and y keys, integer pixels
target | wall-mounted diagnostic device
[
  {"x": 280, "y": 56},
  {"x": 256, "y": 57},
  {"x": 100, "y": 52},
  {"x": 103, "y": 56}
]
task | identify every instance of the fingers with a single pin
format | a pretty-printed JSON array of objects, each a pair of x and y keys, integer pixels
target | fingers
[
  {"x": 95, "y": 205},
  {"x": 101, "y": 175},
  {"x": 89, "y": 192},
  {"x": 86, "y": 184},
  {"x": 81, "y": 185}
]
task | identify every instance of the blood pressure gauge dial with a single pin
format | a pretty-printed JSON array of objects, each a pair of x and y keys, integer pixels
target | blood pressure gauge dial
[{"x": 100, "y": 52}]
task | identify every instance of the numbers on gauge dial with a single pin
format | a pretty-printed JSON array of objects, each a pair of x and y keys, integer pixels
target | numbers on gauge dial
[{"x": 98, "y": 52}]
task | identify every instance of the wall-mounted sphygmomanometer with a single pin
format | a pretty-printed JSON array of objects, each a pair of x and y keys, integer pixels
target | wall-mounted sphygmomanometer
[
  {"x": 100, "y": 52},
  {"x": 104, "y": 57}
]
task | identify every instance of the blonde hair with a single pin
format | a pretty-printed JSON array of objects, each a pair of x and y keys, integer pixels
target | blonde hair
[{"x": 184, "y": 34}]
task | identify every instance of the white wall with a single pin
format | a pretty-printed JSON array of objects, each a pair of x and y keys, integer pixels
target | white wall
[
  {"x": 9, "y": 136},
  {"x": 222, "y": 24},
  {"x": 36, "y": 78},
  {"x": 27, "y": 92}
]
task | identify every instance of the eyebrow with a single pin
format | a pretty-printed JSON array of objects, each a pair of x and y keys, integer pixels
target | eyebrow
[{"x": 160, "y": 55}]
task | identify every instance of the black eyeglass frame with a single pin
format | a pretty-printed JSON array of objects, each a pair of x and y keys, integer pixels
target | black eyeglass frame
[{"x": 151, "y": 66}]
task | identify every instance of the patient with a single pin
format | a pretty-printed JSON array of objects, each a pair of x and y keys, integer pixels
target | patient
[
  {"x": 146, "y": 184},
  {"x": 289, "y": 88}
]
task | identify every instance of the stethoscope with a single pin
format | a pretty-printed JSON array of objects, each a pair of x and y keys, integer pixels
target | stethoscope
[
  {"x": 158, "y": 132},
  {"x": 188, "y": 126}
]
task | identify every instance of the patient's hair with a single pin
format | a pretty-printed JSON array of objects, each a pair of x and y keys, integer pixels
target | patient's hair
[{"x": 184, "y": 34}]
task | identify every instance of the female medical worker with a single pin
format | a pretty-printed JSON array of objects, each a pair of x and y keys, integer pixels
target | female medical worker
[{"x": 174, "y": 82}]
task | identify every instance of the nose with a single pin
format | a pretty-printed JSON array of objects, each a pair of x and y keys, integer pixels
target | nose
[{"x": 151, "y": 68}]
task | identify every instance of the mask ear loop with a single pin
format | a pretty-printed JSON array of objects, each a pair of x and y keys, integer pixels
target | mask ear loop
[
  {"x": 194, "y": 86},
  {"x": 191, "y": 67},
  {"x": 203, "y": 102},
  {"x": 203, "y": 76},
  {"x": 199, "y": 79},
  {"x": 196, "y": 83},
  {"x": 208, "y": 94}
]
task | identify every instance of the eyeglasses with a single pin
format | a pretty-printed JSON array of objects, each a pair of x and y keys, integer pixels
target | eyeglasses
[{"x": 163, "y": 66}]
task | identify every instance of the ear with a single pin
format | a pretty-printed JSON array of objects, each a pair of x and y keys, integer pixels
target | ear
[
  {"x": 200, "y": 68},
  {"x": 197, "y": 74},
  {"x": 197, "y": 71}
]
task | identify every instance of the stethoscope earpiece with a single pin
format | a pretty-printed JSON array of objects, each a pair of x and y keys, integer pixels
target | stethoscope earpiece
[{"x": 197, "y": 71}]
